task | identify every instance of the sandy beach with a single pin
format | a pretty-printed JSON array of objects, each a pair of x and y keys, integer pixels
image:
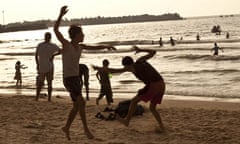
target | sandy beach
[{"x": 25, "y": 121}]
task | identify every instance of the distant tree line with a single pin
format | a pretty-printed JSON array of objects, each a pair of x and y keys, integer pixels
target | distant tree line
[{"x": 90, "y": 21}]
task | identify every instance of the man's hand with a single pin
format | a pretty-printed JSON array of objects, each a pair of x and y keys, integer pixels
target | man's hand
[
  {"x": 95, "y": 67},
  {"x": 63, "y": 11},
  {"x": 135, "y": 48}
]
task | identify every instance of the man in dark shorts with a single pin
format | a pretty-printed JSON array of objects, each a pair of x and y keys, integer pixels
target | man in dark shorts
[{"x": 153, "y": 90}]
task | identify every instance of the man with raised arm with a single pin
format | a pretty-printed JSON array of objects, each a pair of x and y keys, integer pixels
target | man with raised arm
[{"x": 71, "y": 52}]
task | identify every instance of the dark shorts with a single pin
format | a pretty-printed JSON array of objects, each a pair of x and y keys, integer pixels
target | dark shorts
[
  {"x": 153, "y": 92},
  {"x": 108, "y": 92},
  {"x": 215, "y": 53},
  {"x": 72, "y": 84}
]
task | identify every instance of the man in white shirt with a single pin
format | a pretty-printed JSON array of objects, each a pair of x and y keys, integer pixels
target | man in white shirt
[{"x": 44, "y": 55}]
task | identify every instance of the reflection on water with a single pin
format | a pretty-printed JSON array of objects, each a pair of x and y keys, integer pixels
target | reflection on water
[{"x": 18, "y": 90}]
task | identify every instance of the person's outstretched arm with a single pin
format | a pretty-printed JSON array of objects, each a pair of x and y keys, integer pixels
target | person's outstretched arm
[
  {"x": 59, "y": 35},
  {"x": 111, "y": 70},
  {"x": 150, "y": 53},
  {"x": 36, "y": 59},
  {"x": 98, "y": 47}
]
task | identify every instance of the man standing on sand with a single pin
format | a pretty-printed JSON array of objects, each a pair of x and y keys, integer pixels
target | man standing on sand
[
  {"x": 44, "y": 55},
  {"x": 71, "y": 52}
]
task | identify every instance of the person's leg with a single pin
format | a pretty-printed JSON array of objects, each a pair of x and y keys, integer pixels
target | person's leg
[
  {"x": 49, "y": 82},
  {"x": 157, "y": 116},
  {"x": 132, "y": 109},
  {"x": 109, "y": 96},
  {"x": 40, "y": 81},
  {"x": 49, "y": 90},
  {"x": 86, "y": 83},
  {"x": 82, "y": 113},
  {"x": 17, "y": 82},
  {"x": 70, "y": 119},
  {"x": 102, "y": 93},
  {"x": 87, "y": 90},
  {"x": 20, "y": 82}
]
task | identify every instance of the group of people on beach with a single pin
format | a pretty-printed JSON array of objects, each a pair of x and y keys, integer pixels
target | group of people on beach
[{"x": 76, "y": 75}]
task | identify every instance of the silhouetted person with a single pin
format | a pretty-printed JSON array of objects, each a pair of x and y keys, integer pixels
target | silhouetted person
[
  {"x": 160, "y": 42},
  {"x": 198, "y": 37},
  {"x": 18, "y": 74},
  {"x": 172, "y": 41},
  {"x": 103, "y": 75},
  {"x": 71, "y": 53},
  {"x": 216, "y": 49},
  {"x": 84, "y": 78},
  {"x": 218, "y": 28},
  {"x": 44, "y": 59},
  {"x": 227, "y": 35},
  {"x": 154, "y": 85}
]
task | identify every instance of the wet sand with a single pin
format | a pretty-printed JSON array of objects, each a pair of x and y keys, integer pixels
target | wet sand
[{"x": 23, "y": 120}]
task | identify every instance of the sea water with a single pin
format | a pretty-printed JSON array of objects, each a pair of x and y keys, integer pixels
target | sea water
[{"x": 189, "y": 68}]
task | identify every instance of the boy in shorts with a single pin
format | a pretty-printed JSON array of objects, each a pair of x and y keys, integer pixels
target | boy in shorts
[
  {"x": 71, "y": 52},
  {"x": 153, "y": 90},
  {"x": 104, "y": 78}
]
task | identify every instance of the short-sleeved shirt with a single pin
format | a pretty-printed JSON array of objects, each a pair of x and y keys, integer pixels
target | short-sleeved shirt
[
  {"x": 146, "y": 72},
  {"x": 70, "y": 59},
  {"x": 45, "y": 51},
  {"x": 104, "y": 78}
]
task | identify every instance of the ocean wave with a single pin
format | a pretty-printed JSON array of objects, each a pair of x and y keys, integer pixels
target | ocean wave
[
  {"x": 2, "y": 59},
  {"x": 19, "y": 54},
  {"x": 144, "y": 42},
  {"x": 210, "y": 71},
  {"x": 187, "y": 94},
  {"x": 204, "y": 57}
]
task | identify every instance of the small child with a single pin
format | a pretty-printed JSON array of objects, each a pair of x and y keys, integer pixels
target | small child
[
  {"x": 18, "y": 74},
  {"x": 104, "y": 78}
]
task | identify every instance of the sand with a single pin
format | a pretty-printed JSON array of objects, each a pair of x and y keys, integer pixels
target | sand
[{"x": 25, "y": 121}]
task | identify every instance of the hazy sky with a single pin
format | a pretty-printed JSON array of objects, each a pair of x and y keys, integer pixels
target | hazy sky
[{"x": 30, "y": 10}]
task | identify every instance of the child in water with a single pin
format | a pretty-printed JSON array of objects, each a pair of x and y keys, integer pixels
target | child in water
[{"x": 18, "y": 74}]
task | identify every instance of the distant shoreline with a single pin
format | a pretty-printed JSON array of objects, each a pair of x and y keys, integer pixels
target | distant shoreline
[{"x": 44, "y": 24}]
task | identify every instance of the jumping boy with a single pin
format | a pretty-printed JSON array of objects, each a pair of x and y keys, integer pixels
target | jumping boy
[{"x": 71, "y": 52}]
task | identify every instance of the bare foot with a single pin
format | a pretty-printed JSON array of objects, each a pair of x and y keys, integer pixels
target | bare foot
[
  {"x": 160, "y": 130},
  {"x": 89, "y": 134},
  {"x": 66, "y": 131},
  {"x": 122, "y": 120}
]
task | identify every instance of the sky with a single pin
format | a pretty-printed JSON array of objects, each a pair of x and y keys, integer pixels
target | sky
[{"x": 31, "y": 10}]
